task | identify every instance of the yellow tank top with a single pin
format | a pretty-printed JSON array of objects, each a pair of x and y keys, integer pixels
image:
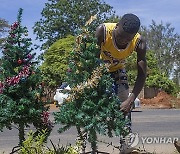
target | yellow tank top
[{"x": 109, "y": 51}]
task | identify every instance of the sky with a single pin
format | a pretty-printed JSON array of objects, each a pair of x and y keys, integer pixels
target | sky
[{"x": 166, "y": 11}]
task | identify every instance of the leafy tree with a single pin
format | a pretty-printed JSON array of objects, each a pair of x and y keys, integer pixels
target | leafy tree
[
  {"x": 56, "y": 57},
  {"x": 166, "y": 43},
  {"x": 91, "y": 107},
  {"x": 161, "y": 81},
  {"x": 113, "y": 18},
  {"x": 131, "y": 67},
  {"x": 55, "y": 63},
  {"x": 62, "y": 17},
  {"x": 20, "y": 84},
  {"x": 176, "y": 77},
  {"x": 4, "y": 26},
  {"x": 155, "y": 78}
]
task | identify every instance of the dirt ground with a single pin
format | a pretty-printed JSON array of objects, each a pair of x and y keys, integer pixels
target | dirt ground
[{"x": 161, "y": 101}]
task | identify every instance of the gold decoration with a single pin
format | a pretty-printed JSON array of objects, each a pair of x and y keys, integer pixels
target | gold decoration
[
  {"x": 92, "y": 82},
  {"x": 79, "y": 39},
  {"x": 92, "y": 18},
  {"x": 38, "y": 96},
  {"x": 85, "y": 32}
]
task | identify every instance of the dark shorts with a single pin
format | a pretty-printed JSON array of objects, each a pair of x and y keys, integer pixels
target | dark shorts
[{"x": 120, "y": 86}]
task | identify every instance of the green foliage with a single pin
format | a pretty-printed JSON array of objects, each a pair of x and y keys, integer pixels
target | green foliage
[
  {"x": 3, "y": 30},
  {"x": 55, "y": 63},
  {"x": 20, "y": 85},
  {"x": 154, "y": 76},
  {"x": 131, "y": 67},
  {"x": 60, "y": 18},
  {"x": 3, "y": 26},
  {"x": 162, "y": 82},
  {"x": 92, "y": 105},
  {"x": 113, "y": 19},
  {"x": 85, "y": 59},
  {"x": 162, "y": 39},
  {"x": 36, "y": 145},
  {"x": 33, "y": 145}
]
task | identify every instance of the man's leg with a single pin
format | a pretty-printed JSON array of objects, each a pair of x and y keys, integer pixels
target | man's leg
[{"x": 122, "y": 90}]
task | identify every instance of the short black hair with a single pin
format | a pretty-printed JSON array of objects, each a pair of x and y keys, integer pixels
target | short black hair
[{"x": 130, "y": 23}]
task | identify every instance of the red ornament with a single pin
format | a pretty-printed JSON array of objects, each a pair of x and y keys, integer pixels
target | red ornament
[
  {"x": 29, "y": 56},
  {"x": 69, "y": 70},
  {"x": 14, "y": 25},
  {"x": 19, "y": 61},
  {"x": 13, "y": 35}
]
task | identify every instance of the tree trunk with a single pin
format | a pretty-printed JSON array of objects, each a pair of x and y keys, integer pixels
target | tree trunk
[
  {"x": 21, "y": 134},
  {"x": 82, "y": 138},
  {"x": 93, "y": 140}
]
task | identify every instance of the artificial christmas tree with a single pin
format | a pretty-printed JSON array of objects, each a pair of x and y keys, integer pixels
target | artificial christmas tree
[
  {"x": 92, "y": 106},
  {"x": 20, "y": 84}
]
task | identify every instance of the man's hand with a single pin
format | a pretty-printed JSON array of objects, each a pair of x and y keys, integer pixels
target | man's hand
[{"x": 127, "y": 104}]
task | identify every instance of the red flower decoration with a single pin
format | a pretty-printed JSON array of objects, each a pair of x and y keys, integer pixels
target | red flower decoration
[
  {"x": 14, "y": 25},
  {"x": 19, "y": 61}
]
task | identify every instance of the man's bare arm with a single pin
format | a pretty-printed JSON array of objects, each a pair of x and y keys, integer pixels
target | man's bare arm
[
  {"x": 141, "y": 68},
  {"x": 141, "y": 77},
  {"x": 100, "y": 34}
]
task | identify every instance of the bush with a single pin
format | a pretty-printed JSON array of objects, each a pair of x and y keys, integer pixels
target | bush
[
  {"x": 37, "y": 145},
  {"x": 162, "y": 82}
]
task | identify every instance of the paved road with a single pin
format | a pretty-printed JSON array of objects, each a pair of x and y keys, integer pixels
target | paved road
[{"x": 149, "y": 124}]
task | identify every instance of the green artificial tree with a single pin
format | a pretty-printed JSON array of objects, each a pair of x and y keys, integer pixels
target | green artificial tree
[
  {"x": 21, "y": 88},
  {"x": 92, "y": 106}
]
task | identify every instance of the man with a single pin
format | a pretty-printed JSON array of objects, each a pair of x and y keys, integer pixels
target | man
[{"x": 117, "y": 41}]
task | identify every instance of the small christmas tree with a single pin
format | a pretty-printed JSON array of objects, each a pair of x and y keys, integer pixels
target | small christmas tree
[
  {"x": 20, "y": 84},
  {"x": 92, "y": 106}
]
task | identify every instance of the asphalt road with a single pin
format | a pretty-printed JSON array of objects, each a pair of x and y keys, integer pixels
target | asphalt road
[{"x": 149, "y": 124}]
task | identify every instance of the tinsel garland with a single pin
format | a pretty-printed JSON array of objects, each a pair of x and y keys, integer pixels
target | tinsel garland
[
  {"x": 92, "y": 82},
  {"x": 85, "y": 32},
  {"x": 15, "y": 79}
]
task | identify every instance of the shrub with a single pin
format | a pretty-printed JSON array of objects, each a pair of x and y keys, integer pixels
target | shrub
[{"x": 37, "y": 145}]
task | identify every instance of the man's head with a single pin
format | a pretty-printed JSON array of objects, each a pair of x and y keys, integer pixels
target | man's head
[
  {"x": 126, "y": 28},
  {"x": 130, "y": 23}
]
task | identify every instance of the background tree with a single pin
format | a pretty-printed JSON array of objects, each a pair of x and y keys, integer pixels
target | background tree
[
  {"x": 162, "y": 39},
  {"x": 55, "y": 63},
  {"x": 113, "y": 18},
  {"x": 91, "y": 107},
  {"x": 155, "y": 78},
  {"x": 131, "y": 67},
  {"x": 4, "y": 26},
  {"x": 162, "y": 57},
  {"x": 20, "y": 84},
  {"x": 63, "y": 17}
]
